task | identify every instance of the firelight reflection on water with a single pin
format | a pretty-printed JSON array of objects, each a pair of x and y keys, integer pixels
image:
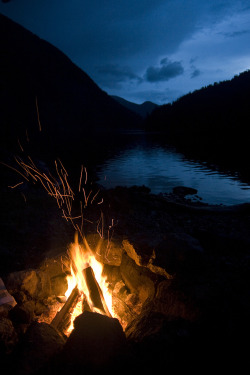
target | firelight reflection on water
[{"x": 161, "y": 169}]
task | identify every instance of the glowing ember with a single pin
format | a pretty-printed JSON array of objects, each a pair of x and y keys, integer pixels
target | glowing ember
[{"x": 82, "y": 258}]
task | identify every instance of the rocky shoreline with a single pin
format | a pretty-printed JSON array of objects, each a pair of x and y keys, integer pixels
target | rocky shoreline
[
  {"x": 202, "y": 309},
  {"x": 187, "y": 262}
]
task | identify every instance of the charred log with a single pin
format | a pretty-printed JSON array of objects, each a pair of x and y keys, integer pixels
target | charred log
[
  {"x": 95, "y": 291},
  {"x": 62, "y": 319}
]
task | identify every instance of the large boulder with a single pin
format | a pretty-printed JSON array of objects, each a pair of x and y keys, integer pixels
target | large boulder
[
  {"x": 97, "y": 343},
  {"x": 37, "y": 348}
]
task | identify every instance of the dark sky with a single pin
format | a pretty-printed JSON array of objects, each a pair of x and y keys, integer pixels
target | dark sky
[{"x": 143, "y": 50}]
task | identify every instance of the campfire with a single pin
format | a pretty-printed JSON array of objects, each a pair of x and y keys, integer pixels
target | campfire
[
  {"x": 84, "y": 285},
  {"x": 87, "y": 288}
]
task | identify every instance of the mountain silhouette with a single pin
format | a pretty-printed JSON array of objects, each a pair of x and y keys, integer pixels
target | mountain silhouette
[
  {"x": 49, "y": 106},
  {"x": 211, "y": 123},
  {"x": 143, "y": 109}
]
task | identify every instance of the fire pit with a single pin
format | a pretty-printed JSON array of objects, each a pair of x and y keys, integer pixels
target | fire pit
[
  {"x": 95, "y": 279},
  {"x": 81, "y": 285}
]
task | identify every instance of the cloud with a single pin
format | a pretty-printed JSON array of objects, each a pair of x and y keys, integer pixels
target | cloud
[
  {"x": 167, "y": 70},
  {"x": 112, "y": 75},
  {"x": 120, "y": 73},
  {"x": 235, "y": 34},
  {"x": 195, "y": 71}
]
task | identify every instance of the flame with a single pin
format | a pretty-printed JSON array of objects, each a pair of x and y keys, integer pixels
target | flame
[{"x": 82, "y": 257}]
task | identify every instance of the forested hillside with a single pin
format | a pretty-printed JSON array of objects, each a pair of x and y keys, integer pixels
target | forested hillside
[
  {"x": 49, "y": 105},
  {"x": 212, "y": 122}
]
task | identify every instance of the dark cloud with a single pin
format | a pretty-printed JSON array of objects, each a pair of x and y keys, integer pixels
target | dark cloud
[
  {"x": 195, "y": 72},
  {"x": 167, "y": 70},
  {"x": 109, "y": 31},
  {"x": 112, "y": 75}
]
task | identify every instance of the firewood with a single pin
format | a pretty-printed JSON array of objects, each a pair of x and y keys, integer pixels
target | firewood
[
  {"x": 95, "y": 291},
  {"x": 62, "y": 319}
]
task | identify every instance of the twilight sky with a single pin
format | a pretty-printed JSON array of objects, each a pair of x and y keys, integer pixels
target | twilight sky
[{"x": 141, "y": 50}]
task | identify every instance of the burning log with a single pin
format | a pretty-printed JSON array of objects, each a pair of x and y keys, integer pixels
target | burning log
[
  {"x": 62, "y": 319},
  {"x": 95, "y": 291}
]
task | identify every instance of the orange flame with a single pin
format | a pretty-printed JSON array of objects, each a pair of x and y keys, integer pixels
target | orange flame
[{"x": 82, "y": 257}]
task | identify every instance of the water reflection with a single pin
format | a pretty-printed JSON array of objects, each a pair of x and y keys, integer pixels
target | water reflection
[{"x": 161, "y": 169}]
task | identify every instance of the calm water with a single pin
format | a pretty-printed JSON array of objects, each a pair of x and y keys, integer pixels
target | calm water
[{"x": 161, "y": 169}]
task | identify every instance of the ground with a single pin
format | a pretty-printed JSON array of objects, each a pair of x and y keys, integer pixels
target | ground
[{"x": 204, "y": 249}]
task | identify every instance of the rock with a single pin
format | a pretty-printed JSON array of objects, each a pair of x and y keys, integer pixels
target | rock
[
  {"x": 39, "y": 345},
  {"x": 120, "y": 304},
  {"x": 159, "y": 343},
  {"x": 40, "y": 308},
  {"x": 150, "y": 325},
  {"x": 133, "y": 254},
  {"x": 142, "y": 251},
  {"x": 8, "y": 336},
  {"x": 55, "y": 266},
  {"x": 138, "y": 280},
  {"x": 35, "y": 284},
  {"x": 22, "y": 314},
  {"x": 107, "y": 251},
  {"x": 171, "y": 301},
  {"x": 97, "y": 343},
  {"x": 25, "y": 280},
  {"x": 29, "y": 282},
  {"x": 20, "y": 297},
  {"x": 44, "y": 285},
  {"x": 112, "y": 273},
  {"x": 59, "y": 285},
  {"x": 157, "y": 269}
]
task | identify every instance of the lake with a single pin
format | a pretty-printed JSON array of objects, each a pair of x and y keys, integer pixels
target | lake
[{"x": 162, "y": 168}]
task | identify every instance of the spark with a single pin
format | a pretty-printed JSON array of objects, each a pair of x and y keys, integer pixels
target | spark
[
  {"x": 38, "y": 116},
  {"x": 21, "y": 147},
  {"x": 59, "y": 188},
  {"x": 13, "y": 187},
  {"x": 95, "y": 196},
  {"x": 80, "y": 182},
  {"x": 24, "y": 197}
]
